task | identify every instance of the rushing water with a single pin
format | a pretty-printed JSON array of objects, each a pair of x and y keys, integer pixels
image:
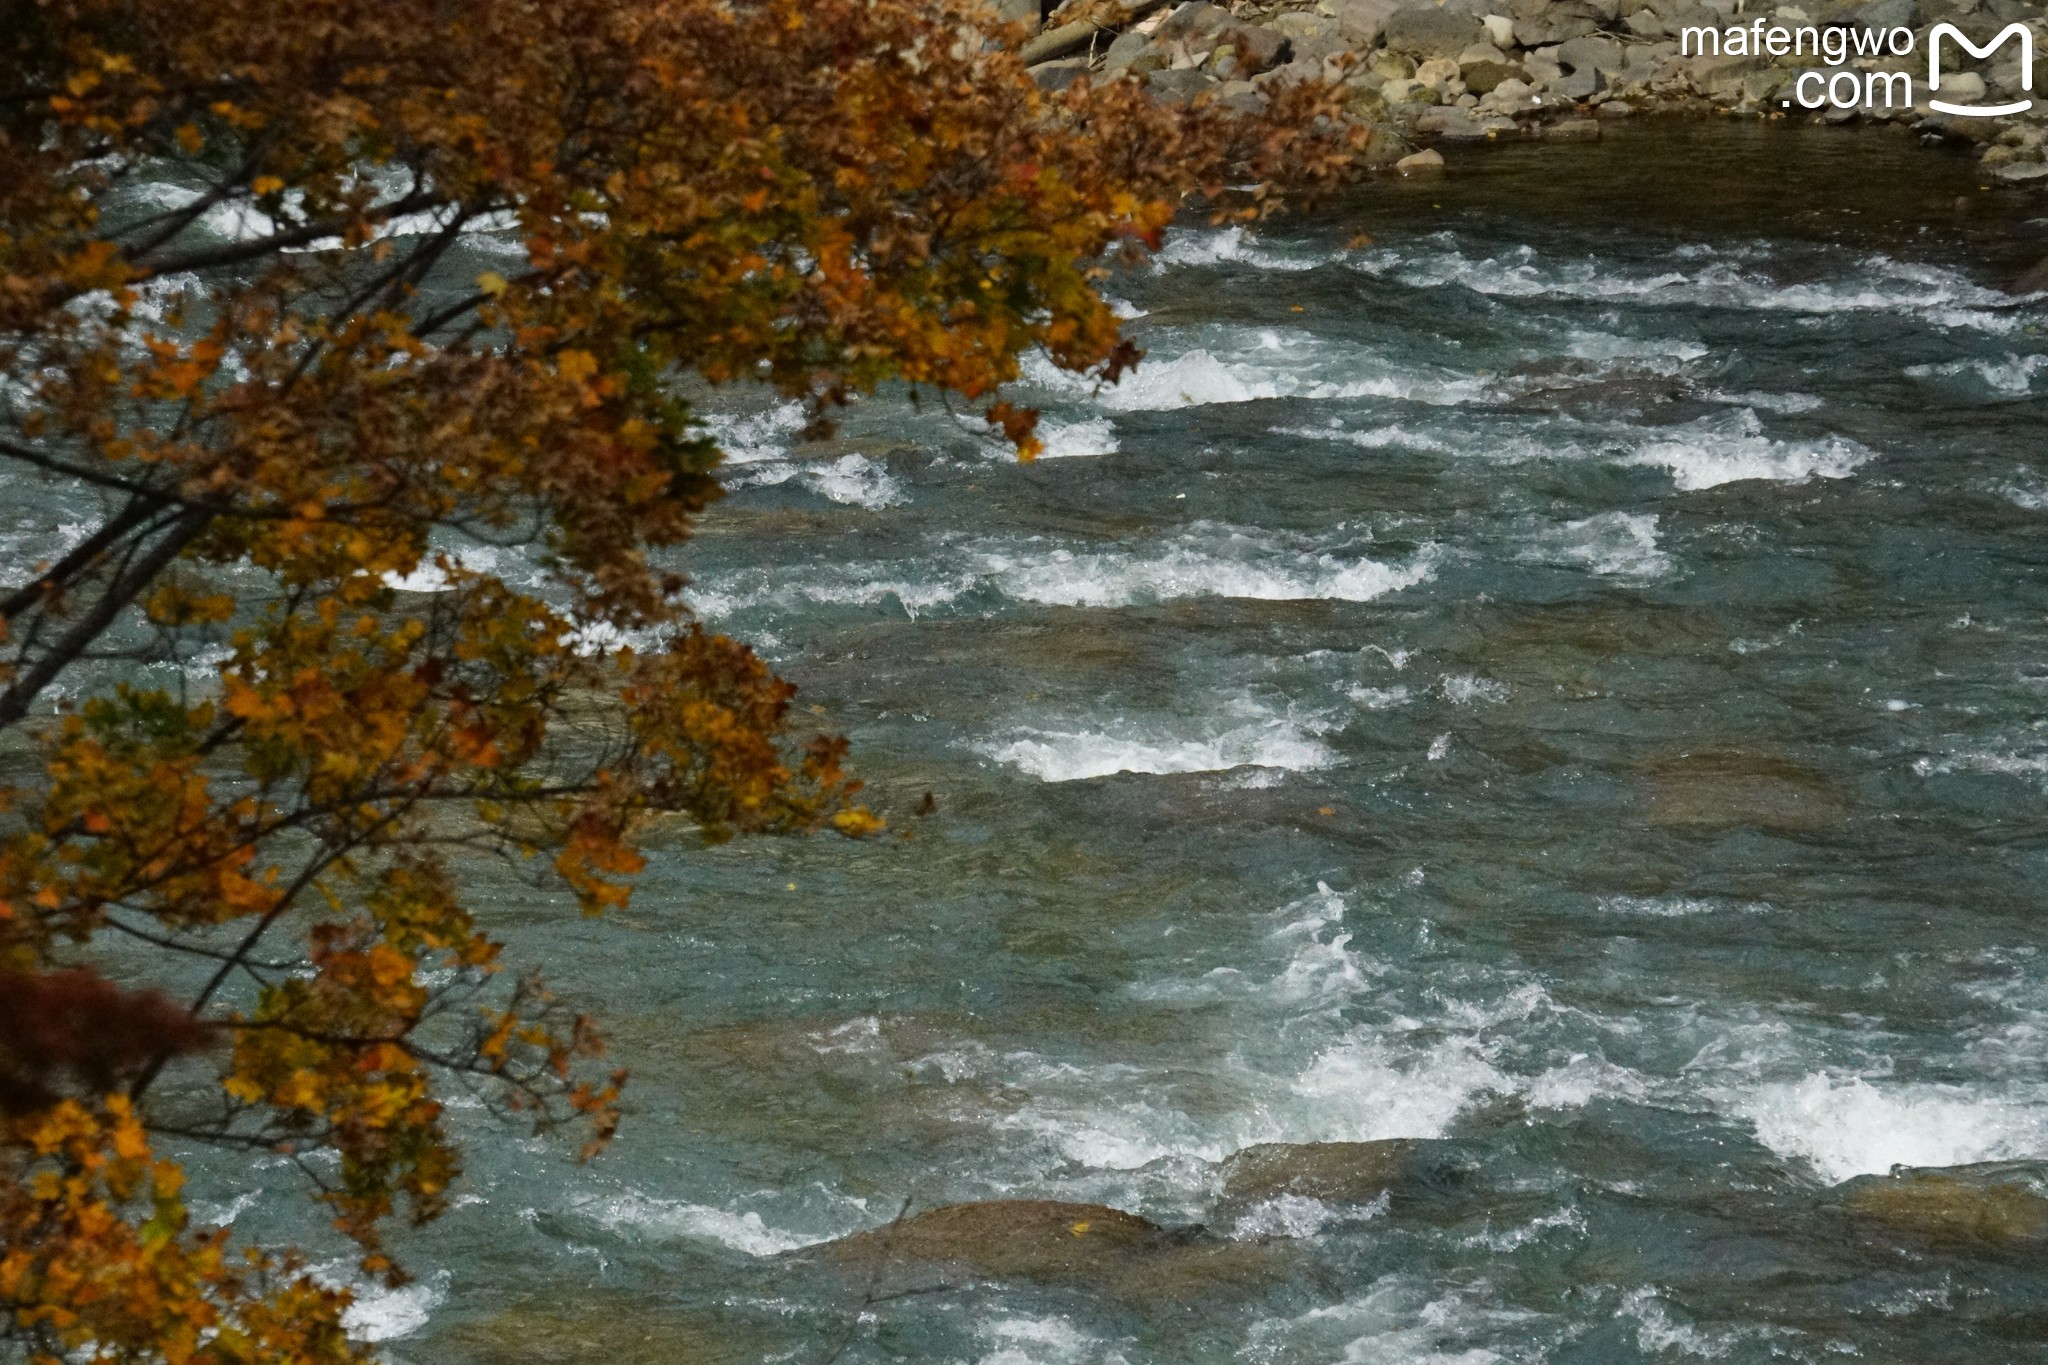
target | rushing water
[{"x": 1564, "y": 676}]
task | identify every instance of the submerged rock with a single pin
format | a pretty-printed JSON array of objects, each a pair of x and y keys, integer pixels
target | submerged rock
[
  {"x": 1049, "y": 1241},
  {"x": 1406, "y": 1170},
  {"x": 2034, "y": 281},
  {"x": 611, "y": 1329},
  {"x": 1988, "y": 1207},
  {"x": 1732, "y": 788},
  {"x": 1014, "y": 1239}
]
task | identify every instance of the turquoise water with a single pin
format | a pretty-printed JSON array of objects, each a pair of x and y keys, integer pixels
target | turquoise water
[{"x": 1563, "y": 678}]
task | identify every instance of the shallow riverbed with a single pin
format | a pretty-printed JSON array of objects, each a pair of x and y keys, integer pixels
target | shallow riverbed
[{"x": 1564, "y": 677}]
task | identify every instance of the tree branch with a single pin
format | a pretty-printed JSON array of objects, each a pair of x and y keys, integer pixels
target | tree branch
[{"x": 19, "y": 697}]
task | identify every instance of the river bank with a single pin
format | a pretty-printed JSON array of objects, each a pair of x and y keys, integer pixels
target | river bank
[{"x": 1434, "y": 76}]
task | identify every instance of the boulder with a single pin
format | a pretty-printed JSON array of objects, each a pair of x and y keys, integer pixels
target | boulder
[
  {"x": 1573, "y": 130},
  {"x": 1644, "y": 59},
  {"x": 1990, "y": 1207},
  {"x": 1297, "y": 24},
  {"x": 2020, "y": 173},
  {"x": 1293, "y": 73},
  {"x": 1552, "y": 28},
  {"x": 1459, "y": 125},
  {"x": 1408, "y": 92},
  {"x": 2034, "y": 281},
  {"x": 1134, "y": 49},
  {"x": 1056, "y": 76},
  {"x": 1190, "y": 20},
  {"x": 1430, "y": 32},
  {"x": 1428, "y": 161},
  {"x": 1403, "y": 1169},
  {"x": 1500, "y": 30},
  {"x": 1242, "y": 96},
  {"x": 1437, "y": 72},
  {"x": 1886, "y": 14},
  {"x": 1599, "y": 54},
  {"x": 1483, "y": 78},
  {"x": 1582, "y": 84},
  {"x": 1360, "y": 22},
  {"x": 1258, "y": 49},
  {"x": 599, "y": 1327},
  {"x": 1391, "y": 66},
  {"x": 1719, "y": 77},
  {"x": 1961, "y": 87},
  {"x": 1542, "y": 67},
  {"x": 1738, "y": 788},
  {"x": 1178, "y": 87},
  {"x": 1511, "y": 94},
  {"x": 1011, "y": 1238},
  {"x": 1013, "y": 11},
  {"x": 1760, "y": 87},
  {"x": 1645, "y": 24},
  {"x": 1087, "y": 1246}
]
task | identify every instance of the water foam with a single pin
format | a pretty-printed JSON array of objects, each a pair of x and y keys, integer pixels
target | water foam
[
  {"x": 1264, "y": 741},
  {"x": 1612, "y": 544},
  {"x": 758, "y": 449},
  {"x": 1844, "y": 1126},
  {"x": 1244, "y": 365},
  {"x": 378, "y": 1313},
  {"x": 855, "y": 480},
  {"x": 2026, "y": 489},
  {"x": 1234, "y": 246},
  {"x": 750, "y": 438},
  {"x": 1205, "y": 561},
  {"x": 1731, "y": 448},
  {"x": 1882, "y": 284},
  {"x": 1323, "y": 1047},
  {"x": 1042, "y": 1341},
  {"x": 1066, "y": 440},
  {"x": 673, "y": 1218},
  {"x": 1400, "y": 1320},
  {"x": 2011, "y": 377}
]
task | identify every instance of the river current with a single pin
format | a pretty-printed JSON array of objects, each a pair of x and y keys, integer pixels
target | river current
[{"x": 1562, "y": 675}]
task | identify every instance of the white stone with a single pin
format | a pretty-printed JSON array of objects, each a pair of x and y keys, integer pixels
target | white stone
[
  {"x": 1961, "y": 87},
  {"x": 1437, "y": 72},
  {"x": 1501, "y": 30}
]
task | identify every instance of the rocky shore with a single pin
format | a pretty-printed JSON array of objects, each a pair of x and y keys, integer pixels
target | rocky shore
[{"x": 1453, "y": 71}]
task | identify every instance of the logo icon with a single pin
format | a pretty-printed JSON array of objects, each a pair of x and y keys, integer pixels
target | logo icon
[{"x": 2017, "y": 30}]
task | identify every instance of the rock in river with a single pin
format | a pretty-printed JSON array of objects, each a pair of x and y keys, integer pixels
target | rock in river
[
  {"x": 1407, "y": 1170},
  {"x": 1049, "y": 1241},
  {"x": 1034, "y": 1239},
  {"x": 1988, "y": 1207}
]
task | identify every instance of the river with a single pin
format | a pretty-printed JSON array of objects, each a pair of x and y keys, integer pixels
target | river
[{"x": 1562, "y": 676}]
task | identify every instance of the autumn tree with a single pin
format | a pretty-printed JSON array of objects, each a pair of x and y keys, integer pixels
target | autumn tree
[{"x": 301, "y": 307}]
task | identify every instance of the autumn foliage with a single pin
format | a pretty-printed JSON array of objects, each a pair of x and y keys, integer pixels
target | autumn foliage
[{"x": 319, "y": 304}]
